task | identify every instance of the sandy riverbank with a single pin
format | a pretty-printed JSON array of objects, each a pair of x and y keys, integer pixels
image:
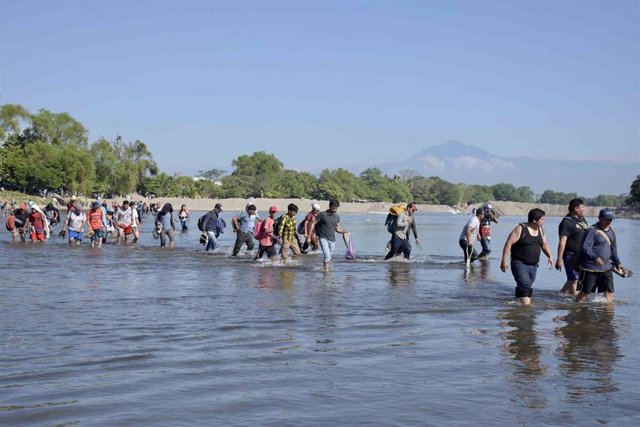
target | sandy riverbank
[
  {"x": 231, "y": 205},
  {"x": 263, "y": 204}
]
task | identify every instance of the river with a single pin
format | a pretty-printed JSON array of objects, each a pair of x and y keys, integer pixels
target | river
[{"x": 138, "y": 335}]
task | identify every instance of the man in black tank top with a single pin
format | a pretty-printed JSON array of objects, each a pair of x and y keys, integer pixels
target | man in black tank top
[
  {"x": 524, "y": 244},
  {"x": 571, "y": 229}
]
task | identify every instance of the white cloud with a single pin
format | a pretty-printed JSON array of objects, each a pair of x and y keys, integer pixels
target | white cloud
[
  {"x": 473, "y": 163},
  {"x": 432, "y": 163}
]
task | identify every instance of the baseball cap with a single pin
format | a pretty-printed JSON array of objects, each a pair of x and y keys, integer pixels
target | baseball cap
[
  {"x": 605, "y": 213},
  {"x": 315, "y": 206},
  {"x": 273, "y": 209}
]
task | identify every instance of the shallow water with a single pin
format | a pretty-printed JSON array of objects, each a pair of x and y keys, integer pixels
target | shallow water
[{"x": 139, "y": 335}]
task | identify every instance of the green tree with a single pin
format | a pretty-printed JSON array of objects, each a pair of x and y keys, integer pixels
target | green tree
[
  {"x": 293, "y": 184},
  {"x": 255, "y": 175},
  {"x": 525, "y": 194},
  {"x": 212, "y": 174},
  {"x": 329, "y": 190},
  {"x": 348, "y": 184},
  {"x": 56, "y": 129},
  {"x": 634, "y": 194},
  {"x": 11, "y": 117},
  {"x": 472, "y": 194},
  {"x": 435, "y": 190},
  {"x": 504, "y": 192},
  {"x": 556, "y": 198},
  {"x": 105, "y": 159}
]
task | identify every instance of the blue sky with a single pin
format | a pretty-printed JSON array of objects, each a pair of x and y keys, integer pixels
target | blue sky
[{"x": 332, "y": 83}]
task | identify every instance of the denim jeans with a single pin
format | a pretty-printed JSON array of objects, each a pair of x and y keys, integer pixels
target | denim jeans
[
  {"x": 486, "y": 245},
  {"x": 327, "y": 247},
  {"x": 212, "y": 242},
  {"x": 525, "y": 275}
]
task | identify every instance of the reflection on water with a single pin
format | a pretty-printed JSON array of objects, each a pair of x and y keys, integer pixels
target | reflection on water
[
  {"x": 140, "y": 336},
  {"x": 523, "y": 356},
  {"x": 401, "y": 274},
  {"x": 588, "y": 351}
]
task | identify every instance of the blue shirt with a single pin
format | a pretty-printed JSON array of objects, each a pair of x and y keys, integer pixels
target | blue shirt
[
  {"x": 246, "y": 222},
  {"x": 596, "y": 245}
]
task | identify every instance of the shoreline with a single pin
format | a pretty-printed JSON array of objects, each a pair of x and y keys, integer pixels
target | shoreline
[{"x": 304, "y": 205}]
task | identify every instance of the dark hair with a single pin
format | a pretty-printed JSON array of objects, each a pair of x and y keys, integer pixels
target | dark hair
[
  {"x": 574, "y": 203},
  {"x": 334, "y": 204},
  {"x": 292, "y": 207},
  {"x": 167, "y": 208},
  {"x": 125, "y": 202},
  {"x": 535, "y": 214},
  {"x": 251, "y": 207}
]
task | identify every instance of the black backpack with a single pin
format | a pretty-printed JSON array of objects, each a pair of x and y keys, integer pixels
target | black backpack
[
  {"x": 202, "y": 221},
  {"x": 276, "y": 225}
]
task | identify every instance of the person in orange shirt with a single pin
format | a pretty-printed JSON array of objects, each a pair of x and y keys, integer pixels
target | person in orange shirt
[{"x": 95, "y": 218}]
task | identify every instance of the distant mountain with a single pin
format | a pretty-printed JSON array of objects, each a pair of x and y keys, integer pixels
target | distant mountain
[{"x": 458, "y": 162}]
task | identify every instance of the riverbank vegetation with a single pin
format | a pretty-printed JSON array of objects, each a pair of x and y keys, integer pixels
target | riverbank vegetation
[{"x": 47, "y": 151}]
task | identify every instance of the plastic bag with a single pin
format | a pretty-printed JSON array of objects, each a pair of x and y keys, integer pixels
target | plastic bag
[{"x": 351, "y": 252}]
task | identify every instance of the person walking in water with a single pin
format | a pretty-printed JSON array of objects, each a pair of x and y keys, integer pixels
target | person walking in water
[
  {"x": 524, "y": 245},
  {"x": 210, "y": 227},
  {"x": 287, "y": 233},
  {"x": 310, "y": 238},
  {"x": 326, "y": 225},
  {"x": 571, "y": 230},
  {"x": 243, "y": 225},
  {"x": 265, "y": 242},
  {"x": 469, "y": 235},
  {"x": 598, "y": 257},
  {"x": 183, "y": 215},
  {"x": 167, "y": 225},
  {"x": 485, "y": 230},
  {"x": 400, "y": 237}
]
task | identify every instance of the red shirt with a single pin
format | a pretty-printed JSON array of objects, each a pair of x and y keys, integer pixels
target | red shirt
[{"x": 36, "y": 219}]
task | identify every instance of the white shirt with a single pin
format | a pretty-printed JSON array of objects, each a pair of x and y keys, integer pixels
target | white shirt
[
  {"x": 134, "y": 215},
  {"x": 474, "y": 225},
  {"x": 124, "y": 216},
  {"x": 75, "y": 221}
]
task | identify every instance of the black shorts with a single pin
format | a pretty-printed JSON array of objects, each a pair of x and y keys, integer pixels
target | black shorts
[
  {"x": 590, "y": 281},
  {"x": 269, "y": 250}
]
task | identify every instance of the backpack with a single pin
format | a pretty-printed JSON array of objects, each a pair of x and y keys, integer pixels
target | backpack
[
  {"x": 392, "y": 224},
  {"x": 201, "y": 221},
  {"x": 258, "y": 230},
  {"x": 301, "y": 227},
  {"x": 276, "y": 225},
  {"x": 392, "y": 217}
]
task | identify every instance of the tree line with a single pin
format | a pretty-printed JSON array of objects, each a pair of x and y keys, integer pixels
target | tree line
[{"x": 50, "y": 151}]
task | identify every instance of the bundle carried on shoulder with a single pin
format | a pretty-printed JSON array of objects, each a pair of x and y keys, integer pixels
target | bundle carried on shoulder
[{"x": 392, "y": 217}]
